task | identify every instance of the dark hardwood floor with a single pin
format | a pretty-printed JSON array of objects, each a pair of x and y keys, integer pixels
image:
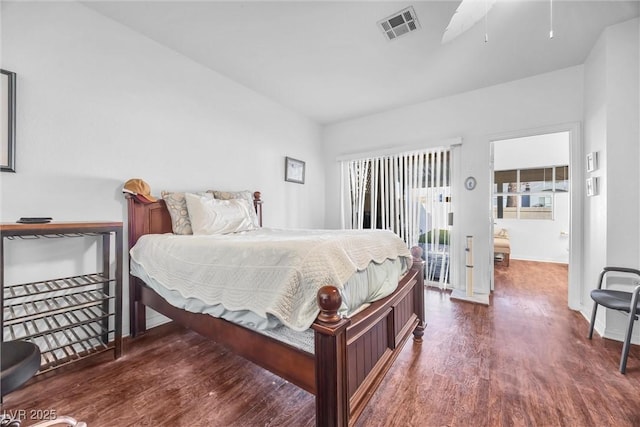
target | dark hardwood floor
[{"x": 523, "y": 361}]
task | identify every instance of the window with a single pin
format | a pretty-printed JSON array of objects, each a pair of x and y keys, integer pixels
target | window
[
  {"x": 562, "y": 178},
  {"x": 528, "y": 193}
]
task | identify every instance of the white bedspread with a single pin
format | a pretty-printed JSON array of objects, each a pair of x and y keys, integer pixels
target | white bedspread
[{"x": 266, "y": 271}]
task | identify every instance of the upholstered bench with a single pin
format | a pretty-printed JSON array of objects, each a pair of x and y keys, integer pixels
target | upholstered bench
[{"x": 501, "y": 245}]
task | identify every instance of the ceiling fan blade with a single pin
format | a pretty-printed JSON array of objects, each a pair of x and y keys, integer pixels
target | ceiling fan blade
[{"x": 468, "y": 13}]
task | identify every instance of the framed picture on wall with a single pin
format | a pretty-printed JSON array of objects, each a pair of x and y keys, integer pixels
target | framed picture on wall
[
  {"x": 592, "y": 186},
  {"x": 592, "y": 161},
  {"x": 293, "y": 170},
  {"x": 8, "y": 120}
]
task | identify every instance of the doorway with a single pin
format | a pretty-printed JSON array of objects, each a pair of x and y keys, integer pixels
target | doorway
[{"x": 535, "y": 199}]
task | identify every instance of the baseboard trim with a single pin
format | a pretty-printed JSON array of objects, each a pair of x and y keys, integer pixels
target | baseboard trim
[{"x": 460, "y": 295}]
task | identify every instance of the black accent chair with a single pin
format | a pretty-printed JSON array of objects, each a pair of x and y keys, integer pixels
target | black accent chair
[
  {"x": 627, "y": 302},
  {"x": 20, "y": 362}
]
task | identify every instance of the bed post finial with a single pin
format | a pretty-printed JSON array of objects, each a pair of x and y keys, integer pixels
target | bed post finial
[
  {"x": 329, "y": 301},
  {"x": 416, "y": 252},
  {"x": 418, "y": 264}
]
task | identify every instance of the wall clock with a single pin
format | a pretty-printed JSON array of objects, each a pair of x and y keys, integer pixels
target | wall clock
[{"x": 470, "y": 183}]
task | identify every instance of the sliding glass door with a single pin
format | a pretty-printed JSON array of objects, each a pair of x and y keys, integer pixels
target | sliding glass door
[{"x": 409, "y": 194}]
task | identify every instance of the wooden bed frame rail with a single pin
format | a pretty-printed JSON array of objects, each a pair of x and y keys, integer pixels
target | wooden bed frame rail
[{"x": 352, "y": 355}]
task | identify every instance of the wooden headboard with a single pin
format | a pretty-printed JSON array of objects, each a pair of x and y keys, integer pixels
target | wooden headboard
[{"x": 154, "y": 218}]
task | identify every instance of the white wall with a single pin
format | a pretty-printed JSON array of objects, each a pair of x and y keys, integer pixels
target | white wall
[
  {"x": 531, "y": 151},
  {"x": 612, "y": 113},
  {"x": 623, "y": 142},
  {"x": 477, "y": 116},
  {"x": 98, "y": 104},
  {"x": 595, "y": 139},
  {"x": 537, "y": 240}
]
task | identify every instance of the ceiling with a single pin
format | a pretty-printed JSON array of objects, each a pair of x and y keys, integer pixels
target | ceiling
[{"x": 329, "y": 60}]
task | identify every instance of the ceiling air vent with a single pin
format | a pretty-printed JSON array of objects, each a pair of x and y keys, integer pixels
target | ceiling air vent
[{"x": 400, "y": 23}]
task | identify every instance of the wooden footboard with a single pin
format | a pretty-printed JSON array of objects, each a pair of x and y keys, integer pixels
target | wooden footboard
[{"x": 352, "y": 355}]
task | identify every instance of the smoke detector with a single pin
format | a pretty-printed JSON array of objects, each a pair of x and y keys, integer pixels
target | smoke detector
[{"x": 399, "y": 23}]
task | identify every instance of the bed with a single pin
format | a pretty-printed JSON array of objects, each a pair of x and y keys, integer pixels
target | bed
[{"x": 351, "y": 355}]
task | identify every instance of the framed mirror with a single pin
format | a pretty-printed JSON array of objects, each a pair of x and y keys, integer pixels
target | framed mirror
[{"x": 8, "y": 119}]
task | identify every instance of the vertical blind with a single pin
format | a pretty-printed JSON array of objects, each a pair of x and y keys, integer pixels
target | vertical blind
[{"x": 392, "y": 192}]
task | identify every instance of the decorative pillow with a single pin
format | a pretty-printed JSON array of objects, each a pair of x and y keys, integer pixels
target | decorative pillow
[
  {"x": 211, "y": 216},
  {"x": 245, "y": 195},
  {"x": 177, "y": 207},
  {"x": 501, "y": 233}
]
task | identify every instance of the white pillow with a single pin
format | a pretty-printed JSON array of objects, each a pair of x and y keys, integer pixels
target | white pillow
[
  {"x": 246, "y": 194},
  {"x": 211, "y": 216}
]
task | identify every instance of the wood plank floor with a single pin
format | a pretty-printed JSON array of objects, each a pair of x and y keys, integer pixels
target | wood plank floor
[{"x": 523, "y": 361}]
